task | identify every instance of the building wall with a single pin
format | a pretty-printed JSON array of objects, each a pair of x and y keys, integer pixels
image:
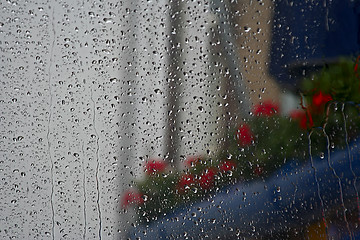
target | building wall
[{"x": 254, "y": 19}]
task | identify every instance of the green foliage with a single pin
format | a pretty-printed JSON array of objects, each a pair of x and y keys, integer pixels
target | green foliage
[
  {"x": 158, "y": 193},
  {"x": 264, "y": 143},
  {"x": 340, "y": 80}
]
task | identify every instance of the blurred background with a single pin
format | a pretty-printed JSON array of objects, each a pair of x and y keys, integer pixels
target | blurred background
[{"x": 93, "y": 90}]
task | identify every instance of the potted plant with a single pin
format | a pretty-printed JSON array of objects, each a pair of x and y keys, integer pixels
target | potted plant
[{"x": 264, "y": 147}]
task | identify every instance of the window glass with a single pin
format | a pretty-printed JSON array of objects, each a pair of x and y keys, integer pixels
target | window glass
[{"x": 181, "y": 119}]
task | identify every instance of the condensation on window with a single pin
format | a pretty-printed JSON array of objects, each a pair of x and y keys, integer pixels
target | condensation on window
[
  {"x": 59, "y": 119},
  {"x": 181, "y": 119}
]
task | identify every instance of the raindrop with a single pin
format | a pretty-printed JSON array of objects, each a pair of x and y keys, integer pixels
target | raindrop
[
  {"x": 108, "y": 20},
  {"x": 247, "y": 29},
  {"x": 158, "y": 91}
]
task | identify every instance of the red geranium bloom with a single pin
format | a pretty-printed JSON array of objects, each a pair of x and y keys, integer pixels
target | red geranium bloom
[
  {"x": 185, "y": 181},
  {"x": 192, "y": 161},
  {"x": 320, "y": 99},
  {"x": 297, "y": 114},
  {"x": 258, "y": 171},
  {"x": 207, "y": 179},
  {"x": 155, "y": 166},
  {"x": 227, "y": 165},
  {"x": 131, "y": 197},
  {"x": 244, "y": 135},
  {"x": 300, "y": 116},
  {"x": 266, "y": 109}
]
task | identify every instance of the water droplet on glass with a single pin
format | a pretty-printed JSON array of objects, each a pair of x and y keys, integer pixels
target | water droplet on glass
[
  {"x": 247, "y": 29},
  {"x": 108, "y": 20},
  {"x": 157, "y": 91}
]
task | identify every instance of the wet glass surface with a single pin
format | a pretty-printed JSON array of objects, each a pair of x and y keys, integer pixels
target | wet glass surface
[{"x": 179, "y": 119}]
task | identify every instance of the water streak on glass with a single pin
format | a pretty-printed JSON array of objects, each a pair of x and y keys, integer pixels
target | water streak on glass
[
  {"x": 350, "y": 157},
  {"x": 97, "y": 165},
  {"x": 84, "y": 189},
  {"x": 326, "y": 16},
  {"x": 296, "y": 189},
  {"x": 317, "y": 182},
  {"x": 49, "y": 122},
  {"x": 334, "y": 172}
]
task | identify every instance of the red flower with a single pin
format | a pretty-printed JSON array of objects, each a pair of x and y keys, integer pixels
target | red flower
[
  {"x": 301, "y": 116},
  {"x": 244, "y": 135},
  {"x": 155, "y": 166},
  {"x": 192, "y": 161},
  {"x": 320, "y": 99},
  {"x": 131, "y": 197},
  {"x": 227, "y": 165},
  {"x": 258, "y": 171},
  {"x": 266, "y": 109},
  {"x": 356, "y": 67},
  {"x": 297, "y": 114},
  {"x": 207, "y": 179},
  {"x": 185, "y": 181}
]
